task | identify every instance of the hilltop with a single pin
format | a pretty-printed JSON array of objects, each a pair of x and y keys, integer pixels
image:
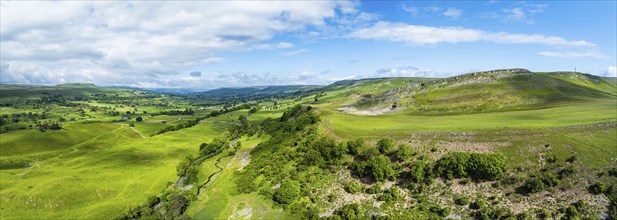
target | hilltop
[{"x": 497, "y": 90}]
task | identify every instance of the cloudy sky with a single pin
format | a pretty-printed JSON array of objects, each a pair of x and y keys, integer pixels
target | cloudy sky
[{"x": 205, "y": 45}]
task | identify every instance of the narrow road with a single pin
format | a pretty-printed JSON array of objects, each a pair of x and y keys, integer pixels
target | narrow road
[
  {"x": 85, "y": 142},
  {"x": 132, "y": 128},
  {"x": 142, "y": 136}
]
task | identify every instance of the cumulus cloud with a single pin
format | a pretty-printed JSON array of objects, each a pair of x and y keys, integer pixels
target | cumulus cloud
[
  {"x": 611, "y": 71},
  {"x": 574, "y": 54},
  {"x": 427, "y": 35},
  {"x": 406, "y": 71},
  {"x": 453, "y": 13},
  {"x": 142, "y": 43}
]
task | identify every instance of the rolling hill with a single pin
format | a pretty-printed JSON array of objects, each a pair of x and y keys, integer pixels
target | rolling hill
[{"x": 499, "y": 90}]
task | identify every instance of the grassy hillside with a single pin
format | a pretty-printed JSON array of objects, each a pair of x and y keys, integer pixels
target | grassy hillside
[
  {"x": 486, "y": 92},
  {"x": 557, "y": 127}
]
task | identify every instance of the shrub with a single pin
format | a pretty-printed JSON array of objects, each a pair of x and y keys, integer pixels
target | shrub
[
  {"x": 478, "y": 204},
  {"x": 353, "y": 187},
  {"x": 613, "y": 172},
  {"x": 571, "y": 159},
  {"x": 351, "y": 211},
  {"x": 551, "y": 158},
  {"x": 464, "y": 200},
  {"x": 416, "y": 171},
  {"x": 391, "y": 194},
  {"x": 288, "y": 192},
  {"x": 597, "y": 188},
  {"x": 571, "y": 213},
  {"x": 533, "y": 185},
  {"x": 566, "y": 171},
  {"x": 381, "y": 168},
  {"x": 385, "y": 145},
  {"x": 139, "y": 119},
  {"x": 404, "y": 152},
  {"x": 355, "y": 146},
  {"x": 479, "y": 166},
  {"x": 374, "y": 189}
]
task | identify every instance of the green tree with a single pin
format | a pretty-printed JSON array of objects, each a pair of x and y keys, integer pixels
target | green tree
[
  {"x": 382, "y": 168},
  {"x": 287, "y": 192},
  {"x": 351, "y": 211}
]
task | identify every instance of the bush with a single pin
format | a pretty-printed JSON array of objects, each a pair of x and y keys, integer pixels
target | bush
[
  {"x": 385, "y": 145},
  {"x": 566, "y": 172},
  {"x": 288, "y": 192},
  {"x": 464, "y": 200},
  {"x": 404, "y": 152},
  {"x": 351, "y": 211},
  {"x": 382, "y": 168},
  {"x": 533, "y": 185},
  {"x": 131, "y": 124},
  {"x": 479, "y": 166},
  {"x": 551, "y": 158},
  {"x": 139, "y": 119},
  {"x": 353, "y": 187},
  {"x": 416, "y": 171},
  {"x": 571, "y": 159},
  {"x": 571, "y": 213},
  {"x": 478, "y": 204},
  {"x": 613, "y": 172},
  {"x": 374, "y": 189},
  {"x": 391, "y": 194},
  {"x": 355, "y": 146},
  {"x": 597, "y": 188}
]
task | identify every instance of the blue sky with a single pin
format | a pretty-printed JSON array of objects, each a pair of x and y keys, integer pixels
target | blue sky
[{"x": 204, "y": 45}]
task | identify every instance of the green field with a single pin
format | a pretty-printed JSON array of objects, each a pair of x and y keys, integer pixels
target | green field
[{"x": 103, "y": 162}]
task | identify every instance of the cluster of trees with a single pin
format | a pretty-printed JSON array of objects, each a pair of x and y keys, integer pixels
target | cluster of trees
[
  {"x": 44, "y": 126},
  {"x": 187, "y": 171},
  {"x": 545, "y": 179},
  {"x": 478, "y": 166},
  {"x": 171, "y": 205},
  {"x": 230, "y": 109},
  {"x": 186, "y": 111},
  {"x": 181, "y": 125}
]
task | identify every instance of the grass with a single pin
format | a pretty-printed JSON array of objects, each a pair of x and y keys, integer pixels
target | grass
[
  {"x": 108, "y": 171},
  {"x": 221, "y": 200},
  {"x": 401, "y": 123}
]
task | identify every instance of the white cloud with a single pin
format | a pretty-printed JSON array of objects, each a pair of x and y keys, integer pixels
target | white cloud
[
  {"x": 611, "y": 71},
  {"x": 573, "y": 54},
  {"x": 211, "y": 60},
  {"x": 515, "y": 14},
  {"x": 406, "y": 71},
  {"x": 428, "y": 35},
  {"x": 410, "y": 9},
  {"x": 521, "y": 12},
  {"x": 453, "y": 13},
  {"x": 294, "y": 52},
  {"x": 130, "y": 42},
  {"x": 283, "y": 45}
]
